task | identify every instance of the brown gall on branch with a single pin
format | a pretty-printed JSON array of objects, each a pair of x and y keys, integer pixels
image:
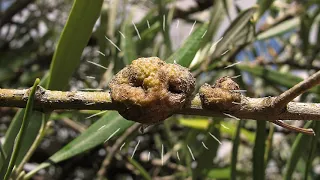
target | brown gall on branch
[
  {"x": 221, "y": 95},
  {"x": 150, "y": 90},
  {"x": 224, "y": 95}
]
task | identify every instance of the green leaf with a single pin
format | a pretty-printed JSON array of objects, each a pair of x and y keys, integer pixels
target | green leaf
[
  {"x": 259, "y": 151},
  {"x": 128, "y": 44},
  {"x": 5, "y": 163},
  {"x": 234, "y": 157},
  {"x": 142, "y": 171},
  {"x": 264, "y": 6},
  {"x": 221, "y": 173},
  {"x": 286, "y": 80},
  {"x": 110, "y": 125},
  {"x": 186, "y": 53},
  {"x": 233, "y": 30},
  {"x": 99, "y": 34},
  {"x": 203, "y": 124},
  {"x": 224, "y": 173},
  {"x": 3, "y": 155},
  {"x": 73, "y": 40},
  {"x": 269, "y": 143},
  {"x": 316, "y": 127},
  {"x": 163, "y": 19},
  {"x": 298, "y": 147},
  {"x": 226, "y": 6},
  {"x": 280, "y": 29},
  {"x": 32, "y": 131},
  {"x": 195, "y": 123},
  {"x": 22, "y": 131},
  {"x": 148, "y": 35},
  {"x": 217, "y": 15},
  {"x": 206, "y": 156}
]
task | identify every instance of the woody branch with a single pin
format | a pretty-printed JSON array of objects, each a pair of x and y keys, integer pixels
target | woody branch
[{"x": 249, "y": 108}]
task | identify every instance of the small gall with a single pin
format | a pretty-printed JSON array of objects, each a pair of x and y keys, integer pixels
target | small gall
[{"x": 220, "y": 95}]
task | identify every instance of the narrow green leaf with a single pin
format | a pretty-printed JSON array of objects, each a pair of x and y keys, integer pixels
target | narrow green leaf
[
  {"x": 226, "y": 5},
  {"x": 217, "y": 15},
  {"x": 233, "y": 30},
  {"x": 149, "y": 17},
  {"x": 224, "y": 173},
  {"x": 316, "y": 128},
  {"x": 263, "y": 6},
  {"x": 269, "y": 143},
  {"x": 247, "y": 35},
  {"x": 203, "y": 124},
  {"x": 163, "y": 19},
  {"x": 206, "y": 156},
  {"x": 22, "y": 131},
  {"x": 234, "y": 157},
  {"x": 259, "y": 151},
  {"x": 195, "y": 123},
  {"x": 14, "y": 127},
  {"x": 110, "y": 125},
  {"x": 148, "y": 35},
  {"x": 280, "y": 29},
  {"x": 286, "y": 80},
  {"x": 186, "y": 53},
  {"x": 221, "y": 173},
  {"x": 3, "y": 155},
  {"x": 100, "y": 34},
  {"x": 128, "y": 44},
  {"x": 142, "y": 171},
  {"x": 300, "y": 143},
  {"x": 5, "y": 164},
  {"x": 74, "y": 38}
]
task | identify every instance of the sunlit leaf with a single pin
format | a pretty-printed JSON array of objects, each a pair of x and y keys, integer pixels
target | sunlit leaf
[
  {"x": 195, "y": 123},
  {"x": 280, "y": 29}
]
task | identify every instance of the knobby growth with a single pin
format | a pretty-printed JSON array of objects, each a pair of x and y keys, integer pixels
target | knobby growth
[{"x": 150, "y": 90}]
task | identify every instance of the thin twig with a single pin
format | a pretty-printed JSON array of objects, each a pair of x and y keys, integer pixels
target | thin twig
[
  {"x": 74, "y": 125},
  {"x": 114, "y": 149},
  {"x": 283, "y": 99},
  {"x": 293, "y": 128}
]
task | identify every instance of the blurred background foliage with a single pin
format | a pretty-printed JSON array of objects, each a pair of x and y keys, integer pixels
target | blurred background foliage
[{"x": 275, "y": 41}]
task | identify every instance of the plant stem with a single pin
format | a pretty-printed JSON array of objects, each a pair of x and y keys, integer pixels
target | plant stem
[
  {"x": 249, "y": 108},
  {"x": 283, "y": 99}
]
